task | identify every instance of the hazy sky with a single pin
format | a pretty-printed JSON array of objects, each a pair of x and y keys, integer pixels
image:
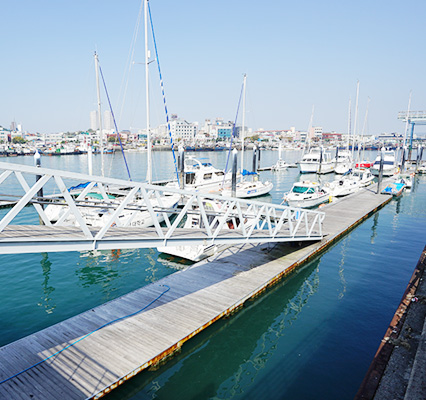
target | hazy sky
[{"x": 296, "y": 54}]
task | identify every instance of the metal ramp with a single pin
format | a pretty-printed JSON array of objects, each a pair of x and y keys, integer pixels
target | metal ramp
[{"x": 122, "y": 204}]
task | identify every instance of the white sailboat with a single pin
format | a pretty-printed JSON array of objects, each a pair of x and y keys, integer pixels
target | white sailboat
[
  {"x": 245, "y": 188},
  {"x": 98, "y": 207},
  {"x": 280, "y": 165}
]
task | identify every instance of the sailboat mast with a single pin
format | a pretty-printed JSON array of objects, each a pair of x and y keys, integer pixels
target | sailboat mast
[
  {"x": 406, "y": 123},
  {"x": 356, "y": 118},
  {"x": 101, "y": 133},
  {"x": 349, "y": 123},
  {"x": 148, "y": 130},
  {"x": 244, "y": 123}
]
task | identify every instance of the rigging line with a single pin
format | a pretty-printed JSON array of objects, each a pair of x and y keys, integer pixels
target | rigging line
[
  {"x": 162, "y": 91},
  {"x": 130, "y": 62},
  {"x": 115, "y": 123},
  {"x": 88, "y": 334},
  {"x": 233, "y": 133}
]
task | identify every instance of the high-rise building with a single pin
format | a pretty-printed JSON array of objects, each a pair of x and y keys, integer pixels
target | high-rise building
[
  {"x": 94, "y": 120},
  {"x": 108, "y": 121}
]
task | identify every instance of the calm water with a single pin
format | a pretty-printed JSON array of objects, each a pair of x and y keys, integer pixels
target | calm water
[{"x": 312, "y": 336}]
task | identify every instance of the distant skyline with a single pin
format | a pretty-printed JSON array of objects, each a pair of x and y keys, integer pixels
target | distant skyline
[{"x": 296, "y": 55}]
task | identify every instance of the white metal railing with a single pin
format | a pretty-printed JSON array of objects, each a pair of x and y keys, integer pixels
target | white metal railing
[{"x": 164, "y": 209}]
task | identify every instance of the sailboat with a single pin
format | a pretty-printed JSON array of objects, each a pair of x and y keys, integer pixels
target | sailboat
[
  {"x": 96, "y": 207},
  {"x": 281, "y": 165},
  {"x": 246, "y": 188}
]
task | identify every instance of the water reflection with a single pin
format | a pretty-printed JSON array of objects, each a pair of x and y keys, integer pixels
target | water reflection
[
  {"x": 234, "y": 351},
  {"x": 374, "y": 227},
  {"x": 46, "y": 300},
  {"x": 99, "y": 269},
  {"x": 345, "y": 242}
]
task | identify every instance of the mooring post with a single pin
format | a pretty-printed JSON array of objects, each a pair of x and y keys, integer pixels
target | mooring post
[
  {"x": 90, "y": 158},
  {"x": 181, "y": 167},
  {"x": 379, "y": 180},
  {"x": 403, "y": 159},
  {"x": 234, "y": 173},
  {"x": 320, "y": 161},
  {"x": 37, "y": 162}
]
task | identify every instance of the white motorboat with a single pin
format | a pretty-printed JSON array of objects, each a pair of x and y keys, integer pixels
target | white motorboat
[
  {"x": 203, "y": 177},
  {"x": 316, "y": 161},
  {"x": 364, "y": 176},
  {"x": 407, "y": 178},
  {"x": 390, "y": 166},
  {"x": 343, "y": 186},
  {"x": 306, "y": 194}
]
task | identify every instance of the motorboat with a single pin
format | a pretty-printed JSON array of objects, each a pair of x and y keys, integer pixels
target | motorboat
[
  {"x": 316, "y": 161},
  {"x": 343, "y": 162},
  {"x": 203, "y": 177},
  {"x": 364, "y": 176},
  {"x": 407, "y": 178},
  {"x": 390, "y": 166},
  {"x": 306, "y": 194},
  {"x": 343, "y": 186}
]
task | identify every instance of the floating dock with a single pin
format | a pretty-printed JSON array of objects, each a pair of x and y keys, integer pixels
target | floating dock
[{"x": 92, "y": 353}]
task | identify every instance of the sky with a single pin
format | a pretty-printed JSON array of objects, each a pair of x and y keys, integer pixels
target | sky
[{"x": 298, "y": 55}]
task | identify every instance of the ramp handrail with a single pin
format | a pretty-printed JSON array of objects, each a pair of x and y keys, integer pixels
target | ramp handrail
[{"x": 250, "y": 219}]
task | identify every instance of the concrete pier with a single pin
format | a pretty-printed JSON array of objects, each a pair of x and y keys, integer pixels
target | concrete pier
[{"x": 398, "y": 369}]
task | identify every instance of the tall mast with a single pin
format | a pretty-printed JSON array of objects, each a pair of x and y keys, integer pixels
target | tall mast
[
  {"x": 349, "y": 123},
  {"x": 101, "y": 133},
  {"x": 408, "y": 118},
  {"x": 148, "y": 130},
  {"x": 244, "y": 122},
  {"x": 363, "y": 131},
  {"x": 356, "y": 118}
]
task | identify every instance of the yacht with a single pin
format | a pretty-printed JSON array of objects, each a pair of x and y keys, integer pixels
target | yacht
[
  {"x": 316, "y": 163},
  {"x": 390, "y": 166},
  {"x": 203, "y": 177}
]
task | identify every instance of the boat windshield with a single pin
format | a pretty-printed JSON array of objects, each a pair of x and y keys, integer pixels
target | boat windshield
[{"x": 299, "y": 189}]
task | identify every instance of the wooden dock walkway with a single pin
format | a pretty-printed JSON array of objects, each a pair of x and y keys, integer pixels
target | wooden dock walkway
[{"x": 183, "y": 304}]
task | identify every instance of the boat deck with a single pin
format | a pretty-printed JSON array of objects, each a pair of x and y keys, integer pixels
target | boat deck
[{"x": 172, "y": 311}]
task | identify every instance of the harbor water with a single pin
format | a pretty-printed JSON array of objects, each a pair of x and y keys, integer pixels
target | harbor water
[{"x": 311, "y": 336}]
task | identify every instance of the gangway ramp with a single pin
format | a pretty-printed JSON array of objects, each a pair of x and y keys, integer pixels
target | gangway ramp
[{"x": 99, "y": 213}]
